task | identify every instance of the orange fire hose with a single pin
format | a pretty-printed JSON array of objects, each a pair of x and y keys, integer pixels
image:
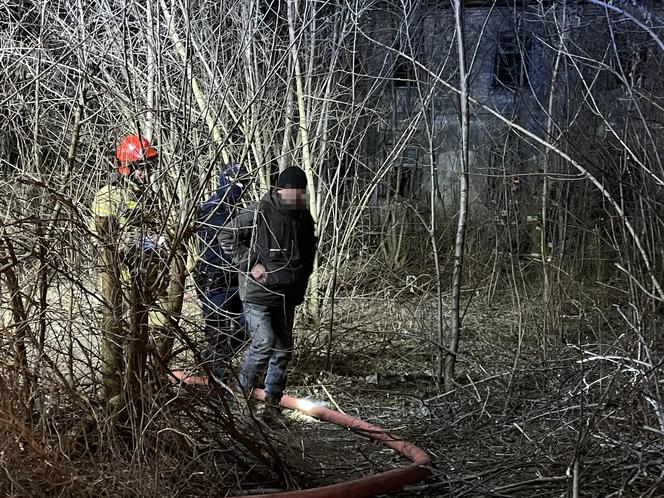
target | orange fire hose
[{"x": 390, "y": 480}]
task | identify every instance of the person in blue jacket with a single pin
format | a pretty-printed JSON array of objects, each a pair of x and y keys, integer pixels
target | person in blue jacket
[{"x": 216, "y": 280}]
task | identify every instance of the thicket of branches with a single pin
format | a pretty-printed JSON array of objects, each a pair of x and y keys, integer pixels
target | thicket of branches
[{"x": 564, "y": 168}]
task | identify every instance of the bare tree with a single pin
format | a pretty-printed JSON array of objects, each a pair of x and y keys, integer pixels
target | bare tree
[{"x": 450, "y": 357}]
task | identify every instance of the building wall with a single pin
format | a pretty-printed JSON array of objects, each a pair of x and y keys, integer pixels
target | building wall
[{"x": 427, "y": 33}]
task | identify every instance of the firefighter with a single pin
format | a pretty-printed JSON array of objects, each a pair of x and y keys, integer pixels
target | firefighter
[{"x": 130, "y": 222}]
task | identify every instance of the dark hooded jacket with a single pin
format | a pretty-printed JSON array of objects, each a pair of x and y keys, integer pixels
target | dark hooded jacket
[
  {"x": 279, "y": 237},
  {"x": 214, "y": 264}
]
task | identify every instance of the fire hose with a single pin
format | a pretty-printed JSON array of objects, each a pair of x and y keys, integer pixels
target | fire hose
[{"x": 365, "y": 486}]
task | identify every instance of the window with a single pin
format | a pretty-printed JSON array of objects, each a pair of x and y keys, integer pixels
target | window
[
  {"x": 405, "y": 175},
  {"x": 403, "y": 72},
  {"x": 511, "y": 63}
]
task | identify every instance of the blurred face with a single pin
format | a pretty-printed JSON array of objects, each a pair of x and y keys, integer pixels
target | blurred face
[
  {"x": 293, "y": 197},
  {"x": 141, "y": 175},
  {"x": 141, "y": 170}
]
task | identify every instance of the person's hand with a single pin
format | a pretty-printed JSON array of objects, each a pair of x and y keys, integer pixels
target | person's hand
[{"x": 259, "y": 273}]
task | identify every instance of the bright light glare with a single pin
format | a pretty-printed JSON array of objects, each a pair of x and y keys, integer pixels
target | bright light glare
[{"x": 304, "y": 405}]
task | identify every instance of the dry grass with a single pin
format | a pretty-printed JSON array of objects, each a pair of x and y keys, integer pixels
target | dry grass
[
  {"x": 569, "y": 413},
  {"x": 527, "y": 416}
]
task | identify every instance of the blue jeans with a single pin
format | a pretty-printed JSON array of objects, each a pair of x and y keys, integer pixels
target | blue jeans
[{"x": 271, "y": 330}]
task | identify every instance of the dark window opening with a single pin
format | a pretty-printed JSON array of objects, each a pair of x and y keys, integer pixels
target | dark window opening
[
  {"x": 510, "y": 66},
  {"x": 403, "y": 74},
  {"x": 405, "y": 174}
]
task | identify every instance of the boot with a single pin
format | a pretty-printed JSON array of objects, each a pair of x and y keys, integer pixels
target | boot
[{"x": 272, "y": 411}]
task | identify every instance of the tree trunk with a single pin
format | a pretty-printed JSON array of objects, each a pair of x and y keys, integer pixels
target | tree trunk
[
  {"x": 173, "y": 305},
  {"x": 549, "y": 317},
  {"x": 201, "y": 101},
  {"x": 455, "y": 326},
  {"x": 306, "y": 152},
  {"x": 8, "y": 261},
  {"x": 112, "y": 362}
]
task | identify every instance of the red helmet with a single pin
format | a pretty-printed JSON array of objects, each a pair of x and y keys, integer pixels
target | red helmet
[{"x": 132, "y": 148}]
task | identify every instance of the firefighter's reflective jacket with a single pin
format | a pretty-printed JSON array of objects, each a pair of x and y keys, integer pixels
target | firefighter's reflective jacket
[{"x": 134, "y": 220}]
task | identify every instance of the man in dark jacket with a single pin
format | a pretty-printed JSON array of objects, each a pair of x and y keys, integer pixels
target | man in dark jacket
[
  {"x": 273, "y": 244},
  {"x": 216, "y": 280}
]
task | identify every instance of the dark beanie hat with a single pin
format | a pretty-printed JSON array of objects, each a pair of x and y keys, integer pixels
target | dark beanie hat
[{"x": 292, "y": 177}]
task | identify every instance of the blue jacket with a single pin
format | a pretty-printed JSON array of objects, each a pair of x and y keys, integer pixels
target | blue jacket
[{"x": 213, "y": 263}]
